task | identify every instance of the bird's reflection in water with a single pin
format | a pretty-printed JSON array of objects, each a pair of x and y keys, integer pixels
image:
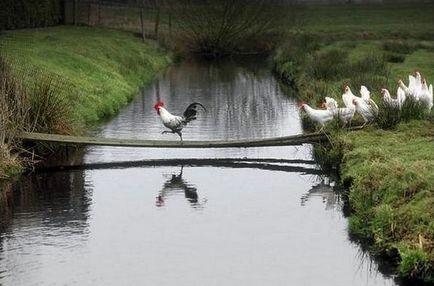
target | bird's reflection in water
[
  {"x": 325, "y": 191},
  {"x": 176, "y": 185}
]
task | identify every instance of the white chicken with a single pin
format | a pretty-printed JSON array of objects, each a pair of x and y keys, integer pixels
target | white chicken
[
  {"x": 366, "y": 96},
  {"x": 177, "y": 123},
  {"x": 402, "y": 85},
  {"x": 345, "y": 114},
  {"x": 400, "y": 93},
  {"x": 414, "y": 87},
  {"x": 393, "y": 102},
  {"x": 348, "y": 97},
  {"x": 321, "y": 116},
  {"x": 417, "y": 82},
  {"x": 426, "y": 94},
  {"x": 330, "y": 103},
  {"x": 367, "y": 108},
  {"x": 368, "y": 111}
]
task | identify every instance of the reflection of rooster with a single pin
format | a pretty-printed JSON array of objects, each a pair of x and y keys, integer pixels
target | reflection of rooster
[
  {"x": 175, "y": 184},
  {"x": 177, "y": 123}
]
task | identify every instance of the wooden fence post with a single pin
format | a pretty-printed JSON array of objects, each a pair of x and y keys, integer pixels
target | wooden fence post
[
  {"x": 89, "y": 10},
  {"x": 99, "y": 12},
  {"x": 157, "y": 20},
  {"x": 75, "y": 12},
  {"x": 142, "y": 24}
]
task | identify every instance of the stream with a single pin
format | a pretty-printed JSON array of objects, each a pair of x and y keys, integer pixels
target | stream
[{"x": 233, "y": 216}]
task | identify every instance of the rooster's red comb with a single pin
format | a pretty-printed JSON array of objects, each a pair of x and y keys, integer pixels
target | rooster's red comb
[{"x": 158, "y": 104}]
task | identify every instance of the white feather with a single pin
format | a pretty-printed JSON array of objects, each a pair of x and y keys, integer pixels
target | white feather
[{"x": 365, "y": 93}]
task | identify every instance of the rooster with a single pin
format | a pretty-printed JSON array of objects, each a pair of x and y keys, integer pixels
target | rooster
[{"x": 177, "y": 123}]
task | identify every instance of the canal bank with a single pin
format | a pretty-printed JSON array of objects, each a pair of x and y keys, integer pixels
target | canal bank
[
  {"x": 95, "y": 71},
  {"x": 388, "y": 166}
]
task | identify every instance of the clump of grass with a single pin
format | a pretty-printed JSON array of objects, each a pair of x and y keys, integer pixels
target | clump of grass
[
  {"x": 384, "y": 223},
  {"x": 328, "y": 156},
  {"x": 373, "y": 63},
  {"x": 413, "y": 109},
  {"x": 414, "y": 263},
  {"x": 314, "y": 92},
  {"x": 328, "y": 65},
  {"x": 395, "y": 58},
  {"x": 12, "y": 94},
  {"x": 389, "y": 116},
  {"x": 39, "y": 106},
  {"x": 9, "y": 163},
  {"x": 399, "y": 46},
  {"x": 49, "y": 109},
  {"x": 11, "y": 118},
  {"x": 290, "y": 56}
]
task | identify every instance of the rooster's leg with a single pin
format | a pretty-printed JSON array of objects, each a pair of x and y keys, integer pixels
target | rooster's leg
[
  {"x": 180, "y": 134},
  {"x": 167, "y": 132}
]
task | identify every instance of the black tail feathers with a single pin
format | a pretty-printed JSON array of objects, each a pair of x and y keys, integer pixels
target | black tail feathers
[{"x": 191, "y": 111}]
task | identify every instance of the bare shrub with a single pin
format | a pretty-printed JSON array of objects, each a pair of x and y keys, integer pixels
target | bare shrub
[{"x": 217, "y": 27}]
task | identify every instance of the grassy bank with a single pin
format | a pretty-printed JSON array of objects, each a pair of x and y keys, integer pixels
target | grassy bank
[
  {"x": 103, "y": 68},
  {"x": 389, "y": 164},
  {"x": 91, "y": 71},
  {"x": 392, "y": 193}
]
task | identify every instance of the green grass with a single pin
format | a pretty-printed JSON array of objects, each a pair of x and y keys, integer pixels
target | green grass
[
  {"x": 392, "y": 192},
  {"x": 391, "y": 20},
  {"x": 104, "y": 68}
]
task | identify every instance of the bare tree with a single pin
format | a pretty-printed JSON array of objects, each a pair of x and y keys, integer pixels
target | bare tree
[{"x": 225, "y": 26}]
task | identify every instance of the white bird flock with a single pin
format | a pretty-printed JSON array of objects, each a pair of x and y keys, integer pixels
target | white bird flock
[{"x": 364, "y": 105}]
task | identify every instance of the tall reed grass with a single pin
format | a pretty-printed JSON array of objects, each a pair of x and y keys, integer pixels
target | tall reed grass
[
  {"x": 32, "y": 100},
  {"x": 29, "y": 101}
]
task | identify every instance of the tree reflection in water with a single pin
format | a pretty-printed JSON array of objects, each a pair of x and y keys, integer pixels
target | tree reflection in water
[{"x": 177, "y": 185}]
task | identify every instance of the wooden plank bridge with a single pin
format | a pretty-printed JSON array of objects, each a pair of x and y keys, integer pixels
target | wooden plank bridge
[{"x": 118, "y": 142}]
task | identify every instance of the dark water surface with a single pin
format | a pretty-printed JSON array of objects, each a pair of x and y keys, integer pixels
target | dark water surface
[{"x": 267, "y": 223}]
